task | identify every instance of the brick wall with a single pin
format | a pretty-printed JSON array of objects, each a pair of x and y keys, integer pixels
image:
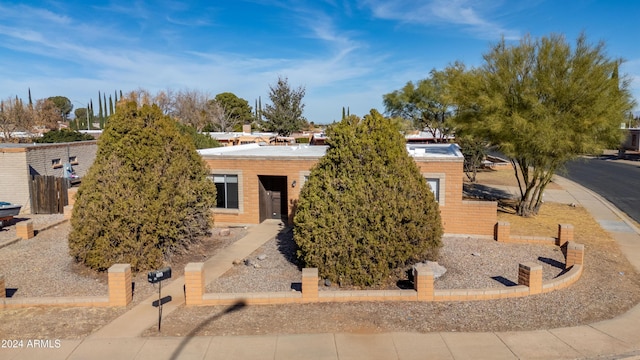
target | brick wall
[
  {"x": 529, "y": 283},
  {"x": 39, "y": 158},
  {"x": 120, "y": 293},
  {"x": 248, "y": 171},
  {"x": 458, "y": 216}
]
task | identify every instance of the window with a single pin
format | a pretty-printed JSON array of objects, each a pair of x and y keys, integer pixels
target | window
[
  {"x": 437, "y": 185},
  {"x": 434, "y": 184},
  {"x": 304, "y": 177},
  {"x": 227, "y": 191},
  {"x": 56, "y": 163},
  {"x": 73, "y": 160}
]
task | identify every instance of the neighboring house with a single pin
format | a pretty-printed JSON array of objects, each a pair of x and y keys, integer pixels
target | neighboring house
[
  {"x": 632, "y": 142},
  {"x": 21, "y": 161},
  {"x": 255, "y": 183},
  {"x": 242, "y": 138},
  {"x": 427, "y": 137}
]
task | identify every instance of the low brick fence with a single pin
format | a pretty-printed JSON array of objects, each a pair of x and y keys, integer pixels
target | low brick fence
[
  {"x": 530, "y": 282},
  {"x": 120, "y": 293},
  {"x": 502, "y": 233}
]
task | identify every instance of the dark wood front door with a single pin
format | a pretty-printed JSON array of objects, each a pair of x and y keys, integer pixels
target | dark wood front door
[{"x": 273, "y": 195}]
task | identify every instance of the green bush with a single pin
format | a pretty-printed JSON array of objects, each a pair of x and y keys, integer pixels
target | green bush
[
  {"x": 201, "y": 141},
  {"x": 62, "y": 136},
  {"x": 146, "y": 196},
  {"x": 365, "y": 209}
]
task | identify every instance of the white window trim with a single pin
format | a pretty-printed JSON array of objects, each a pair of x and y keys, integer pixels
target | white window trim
[
  {"x": 441, "y": 183},
  {"x": 238, "y": 173},
  {"x": 303, "y": 177}
]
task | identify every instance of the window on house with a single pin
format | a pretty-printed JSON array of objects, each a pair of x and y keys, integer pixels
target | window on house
[
  {"x": 73, "y": 160},
  {"x": 227, "y": 191},
  {"x": 434, "y": 185},
  {"x": 56, "y": 163}
]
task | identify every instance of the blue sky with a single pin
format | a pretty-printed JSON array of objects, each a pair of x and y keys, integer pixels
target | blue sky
[{"x": 344, "y": 52}]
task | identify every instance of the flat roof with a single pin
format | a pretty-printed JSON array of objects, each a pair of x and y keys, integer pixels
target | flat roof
[
  {"x": 427, "y": 151},
  {"x": 257, "y": 150},
  {"x": 41, "y": 145}
]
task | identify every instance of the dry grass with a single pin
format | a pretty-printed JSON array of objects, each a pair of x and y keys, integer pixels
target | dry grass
[
  {"x": 552, "y": 214},
  {"x": 505, "y": 177}
]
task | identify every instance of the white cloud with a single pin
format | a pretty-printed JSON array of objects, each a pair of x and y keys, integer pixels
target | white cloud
[{"x": 468, "y": 14}]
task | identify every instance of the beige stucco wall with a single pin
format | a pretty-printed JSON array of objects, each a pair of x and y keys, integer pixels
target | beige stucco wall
[{"x": 14, "y": 177}]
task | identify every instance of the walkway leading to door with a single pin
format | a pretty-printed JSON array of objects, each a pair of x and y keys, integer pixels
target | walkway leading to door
[{"x": 145, "y": 315}]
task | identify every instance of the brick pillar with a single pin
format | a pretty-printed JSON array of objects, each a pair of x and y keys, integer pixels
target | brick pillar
[
  {"x": 565, "y": 234},
  {"x": 575, "y": 254},
  {"x": 68, "y": 209},
  {"x": 530, "y": 274},
  {"x": 503, "y": 231},
  {"x": 3, "y": 289},
  {"x": 423, "y": 282},
  {"x": 120, "y": 291},
  {"x": 309, "y": 284},
  {"x": 194, "y": 283},
  {"x": 71, "y": 195},
  {"x": 25, "y": 230}
]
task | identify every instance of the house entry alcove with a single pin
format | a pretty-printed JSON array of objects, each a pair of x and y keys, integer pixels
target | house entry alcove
[{"x": 273, "y": 197}]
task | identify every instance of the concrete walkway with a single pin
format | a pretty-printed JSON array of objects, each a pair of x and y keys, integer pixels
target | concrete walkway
[
  {"x": 618, "y": 338},
  {"x": 145, "y": 315}
]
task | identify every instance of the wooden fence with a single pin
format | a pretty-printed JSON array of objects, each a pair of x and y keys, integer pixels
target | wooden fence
[{"x": 48, "y": 194}]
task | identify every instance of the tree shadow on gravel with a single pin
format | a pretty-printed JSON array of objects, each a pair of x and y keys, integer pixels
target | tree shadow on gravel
[
  {"x": 233, "y": 308},
  {"x": 485, "y": 192},
  {"x": 287, "y": 247},
  {"x": 504, "y": 281},
  {"x": 552, "y": 262}
]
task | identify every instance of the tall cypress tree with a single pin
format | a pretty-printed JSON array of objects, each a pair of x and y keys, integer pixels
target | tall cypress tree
[
  {"x": 100, "y": 113},
  {"x": 365, "y": 209}
]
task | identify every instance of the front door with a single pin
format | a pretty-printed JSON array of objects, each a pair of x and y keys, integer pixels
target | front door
[{"x": 273, "y": 195}]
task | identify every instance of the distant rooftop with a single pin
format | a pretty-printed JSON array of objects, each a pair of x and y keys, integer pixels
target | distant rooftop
[{"x": 310, "y": 151}]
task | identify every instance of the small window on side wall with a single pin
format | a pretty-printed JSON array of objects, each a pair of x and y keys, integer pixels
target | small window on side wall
[
  {"x": 56, "y": 163},
  {"x": 73, "y": 160},
  {"x": 434, "y": 185}
]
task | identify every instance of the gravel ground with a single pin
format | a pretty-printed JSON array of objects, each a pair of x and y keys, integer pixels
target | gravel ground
[
  {"x": 471, "y": 264},
  {"x": 608, "y": 287}
]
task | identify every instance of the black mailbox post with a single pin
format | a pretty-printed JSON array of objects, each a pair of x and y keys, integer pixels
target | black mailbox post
[{"x": 157, "y": 277}]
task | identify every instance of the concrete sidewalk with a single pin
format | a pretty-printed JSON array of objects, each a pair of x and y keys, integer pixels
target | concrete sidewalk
[{"x": 617, "y": 338}]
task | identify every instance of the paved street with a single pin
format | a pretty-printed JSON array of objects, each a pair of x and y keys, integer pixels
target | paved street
[{"x": 616, "y": 181}]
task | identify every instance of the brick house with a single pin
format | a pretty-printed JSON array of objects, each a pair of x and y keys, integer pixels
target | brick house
[
  {"x": 256, "y": 183},
  {"x": 632, "y": 140},
  {"x": 21, "y": 161}
]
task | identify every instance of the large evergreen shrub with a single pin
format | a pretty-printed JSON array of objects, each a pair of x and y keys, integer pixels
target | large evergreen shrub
[
  {"x": 145, "y": 197},
  {"x": 365, "y": 209}
]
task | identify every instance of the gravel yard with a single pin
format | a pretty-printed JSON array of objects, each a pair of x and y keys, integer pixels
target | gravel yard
[
  {"x": 471, "y": 263},
  {"x": 608, "y": 287}
]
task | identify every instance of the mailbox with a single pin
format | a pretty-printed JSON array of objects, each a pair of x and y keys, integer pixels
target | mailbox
[{"x": 159, "y": 275}]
